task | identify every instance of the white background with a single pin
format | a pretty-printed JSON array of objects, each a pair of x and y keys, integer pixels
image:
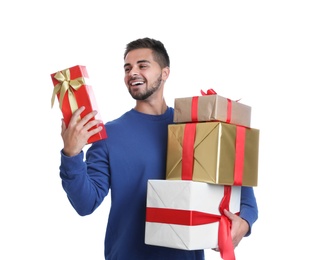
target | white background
[{"x": 254, "y": 50}]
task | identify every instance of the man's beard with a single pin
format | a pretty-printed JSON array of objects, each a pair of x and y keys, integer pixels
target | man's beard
[{"x": 148, "y": 92}]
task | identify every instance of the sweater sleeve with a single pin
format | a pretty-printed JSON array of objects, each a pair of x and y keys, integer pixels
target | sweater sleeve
[
  {"x": 248, "y": 207},
  {"x": 86, "y": 183}
]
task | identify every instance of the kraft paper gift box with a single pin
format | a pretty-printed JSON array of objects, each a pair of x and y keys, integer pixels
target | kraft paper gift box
[
  {"x": 211, "y": 108},
  {"x": 73, "y": 91},
  {"x": 213, "y": 152},
  {"x": 186, "y": 214}
]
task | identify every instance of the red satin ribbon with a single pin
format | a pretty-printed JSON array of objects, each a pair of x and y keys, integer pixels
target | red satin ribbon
[
  {"x": 239, "y": 155},
  {"x": 194, "y": 109},
  {"x": 210, "y": 91},
  {"x": 225, "y": 243},
  {"x": 229, "y": 109},
  {"x": 188, "y": 151},
  {"x": 179, "y": 216}
]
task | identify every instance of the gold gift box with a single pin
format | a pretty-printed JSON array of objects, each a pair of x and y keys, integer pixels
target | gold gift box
[
  {"x": 212, "y": 108},
  {"x": 214, "y": 154}
]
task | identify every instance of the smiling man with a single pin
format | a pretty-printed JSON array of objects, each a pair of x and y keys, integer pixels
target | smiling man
[{"x": 134, "y": 152}]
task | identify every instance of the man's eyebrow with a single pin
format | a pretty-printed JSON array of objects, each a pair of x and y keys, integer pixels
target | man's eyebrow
[
  {"x": 143, "y": 61},
  {"x": 139, "y": 61}
]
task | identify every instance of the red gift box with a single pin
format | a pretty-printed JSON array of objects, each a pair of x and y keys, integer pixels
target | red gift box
[{"x": 73, "y": 91}]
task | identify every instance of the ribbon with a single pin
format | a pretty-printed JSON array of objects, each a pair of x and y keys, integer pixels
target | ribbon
[
  {"x": 66, "y": 84},
  {"x": 179, "y": 216},
  {"x": 225, "y": 243},
  {"x": 210, "y": 91},
  {"x": 239, "y": 153},
  {"x": 188, "y": 151},
  {"x": 195, "y": 109}
]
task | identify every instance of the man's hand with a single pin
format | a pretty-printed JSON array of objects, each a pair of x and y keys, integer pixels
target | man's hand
[
  {"x": 239, "y": 227},
  {"x": 77, "y": 133}
]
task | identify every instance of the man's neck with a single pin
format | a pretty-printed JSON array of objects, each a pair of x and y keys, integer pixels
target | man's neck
[{"x": 157, "y": 108}]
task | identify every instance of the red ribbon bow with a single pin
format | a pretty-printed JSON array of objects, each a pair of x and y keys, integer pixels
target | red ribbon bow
[{"x": 210, "y": 91}]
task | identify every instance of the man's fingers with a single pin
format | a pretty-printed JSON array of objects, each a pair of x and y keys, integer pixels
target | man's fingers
[
  {"x": 77, "y": 113},
  {"x": 92, "y": 123},
  {"x": 94, "y": 131},
  {"x": 76, "y": 118},
  {"x": 229, "y": 214},
  {"x": 86, "y": 119},
  {"x": 63, "y": 126},
  {"x": 81, "y": 128}
]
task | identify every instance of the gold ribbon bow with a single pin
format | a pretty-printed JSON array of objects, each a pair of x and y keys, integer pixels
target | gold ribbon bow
[{"x": 66, "y": 84}]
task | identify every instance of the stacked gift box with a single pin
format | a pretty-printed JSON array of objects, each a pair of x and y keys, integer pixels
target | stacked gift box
[
  {"x": 212, "y": 151},
  {"x": 73, "y": 90}
]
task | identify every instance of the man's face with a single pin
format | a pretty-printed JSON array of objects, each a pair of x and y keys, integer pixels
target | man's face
[{"x": 143, "y": 75}]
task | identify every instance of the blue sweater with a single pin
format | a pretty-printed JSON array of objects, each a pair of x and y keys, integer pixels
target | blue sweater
[{"x": 134, "y": 152}]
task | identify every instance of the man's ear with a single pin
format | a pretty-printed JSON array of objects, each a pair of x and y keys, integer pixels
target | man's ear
[{"x": 165, "y": 73}]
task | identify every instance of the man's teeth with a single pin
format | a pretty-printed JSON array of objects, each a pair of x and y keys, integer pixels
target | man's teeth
[{"x": 137, "y": 83}]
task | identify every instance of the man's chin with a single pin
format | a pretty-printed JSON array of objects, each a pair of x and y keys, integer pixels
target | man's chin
[
  {"x": 138, "y": 98},
  {"x": 136, "y": 95}
]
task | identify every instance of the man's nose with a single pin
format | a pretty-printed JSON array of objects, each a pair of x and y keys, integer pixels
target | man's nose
[{"x": 134, "y": 72}]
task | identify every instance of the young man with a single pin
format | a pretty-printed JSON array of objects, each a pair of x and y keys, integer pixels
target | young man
[{"x": 133, "y": 153}]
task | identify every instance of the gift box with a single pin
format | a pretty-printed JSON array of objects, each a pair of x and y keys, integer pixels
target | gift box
[
  {"x": 189, "y": 215},
  {"x": 213, "y": 152},
  {"x": 73, "y": 91},
  {"x": 211, "y": 108}
]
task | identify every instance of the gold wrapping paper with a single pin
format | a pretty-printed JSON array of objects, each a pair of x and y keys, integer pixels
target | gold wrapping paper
[
  {"x": 212, "y": 108},
  {"x": 214, "y": 153}
]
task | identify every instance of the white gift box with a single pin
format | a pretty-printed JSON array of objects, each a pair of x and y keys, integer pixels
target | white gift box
[{"x": 175, "y": 206}]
